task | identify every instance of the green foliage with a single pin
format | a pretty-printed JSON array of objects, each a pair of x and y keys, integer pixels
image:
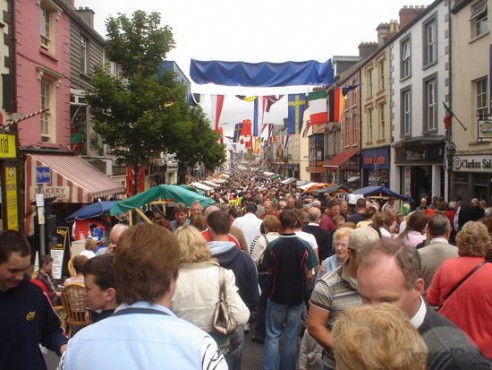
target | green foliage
[{"x": 144, "y": 111}]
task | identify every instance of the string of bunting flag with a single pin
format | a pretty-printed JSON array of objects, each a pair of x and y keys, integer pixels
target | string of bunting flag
[{"x": 324, "y": 104}]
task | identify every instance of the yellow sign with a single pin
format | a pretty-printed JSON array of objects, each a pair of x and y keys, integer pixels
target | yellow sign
[
  {"x": 11, "y": 205},
  {"x": 7, "y": 146}
]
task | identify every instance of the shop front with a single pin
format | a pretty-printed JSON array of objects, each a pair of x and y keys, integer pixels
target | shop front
[
  {"x": 420, "y": 166},
  {"x": 342, "y": 167},
  {"x": 375, "y": 166},
  {"x": 63, "y": 179},
  {"x": 472, "y": 177}
]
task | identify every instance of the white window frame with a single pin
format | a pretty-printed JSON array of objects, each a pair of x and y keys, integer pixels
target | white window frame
[
  {"x": 430, "y": 42},
  {"x": 481, "y": 97},
  {"x": 49, "y": 13},
  {"x": 370, "y": 124},
  {"x": 84, "y": 54},
  {"x": 406, "y": 112},
  {"x": 381, "y": 75},
  {"x": 47, "y": 100},
  {"x": 369, "y": 83},
  {"x": 382, "y": 122},
  {"x": 479, "y": 19},
  {"x": 430, "y": 104}
]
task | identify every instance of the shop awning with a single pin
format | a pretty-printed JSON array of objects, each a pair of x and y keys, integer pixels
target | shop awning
[
  {"x": 340, "y": 159},
  {"x": 68, "y": 178},
  {"x": 212, "y": 184},
  {"x": 288, "y": 181},
  {"x": 201, "y": 186}
]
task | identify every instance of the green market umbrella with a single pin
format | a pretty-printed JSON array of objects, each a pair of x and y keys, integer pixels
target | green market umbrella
[{"x": 174, "y": 193}]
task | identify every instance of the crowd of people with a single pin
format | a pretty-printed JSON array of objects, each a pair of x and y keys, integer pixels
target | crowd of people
[{"x": 319, "y": 282}]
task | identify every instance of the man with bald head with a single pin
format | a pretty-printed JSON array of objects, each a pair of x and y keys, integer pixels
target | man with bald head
[
  {"x": 389, "y": 271},
  {"x": 323, "y": 237},
  {"x": 114, "y": 237}
]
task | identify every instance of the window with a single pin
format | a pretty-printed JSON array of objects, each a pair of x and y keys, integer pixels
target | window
[
  {"x": 369, "y": 83},
  {"x": 84, "y": 54},
  {"x": 370, "y": 124},
  {"x": 406, "y": 115},
  {"x": 45, "y": 28},
  {"x": 430, "y": 42},
  {"x": 381, "y": 121},
  {"x": 405, "y": 68},
  {"x": 430, "y": 105},
  {"x": 381, "y": 75},
  {"x": 479, "y": 18},
  {"x": 47, "y": 117},
  {"x": 481, "y": 97},
  {"x": 49, "y": 13}
]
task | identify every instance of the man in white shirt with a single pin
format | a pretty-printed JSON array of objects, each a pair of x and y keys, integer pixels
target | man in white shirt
[{"x": 249, "y": 224}]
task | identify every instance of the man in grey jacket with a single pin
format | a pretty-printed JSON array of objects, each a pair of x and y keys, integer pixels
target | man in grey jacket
[{"x": 438, "y": 250}]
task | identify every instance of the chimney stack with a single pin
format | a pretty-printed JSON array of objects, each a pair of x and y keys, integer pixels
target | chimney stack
[
  {"x": 367, "y": 48},
  {"x": 408, "y": 14},
  {"x": 87, "y": 14},
  {"x": 383, "y": 32}
]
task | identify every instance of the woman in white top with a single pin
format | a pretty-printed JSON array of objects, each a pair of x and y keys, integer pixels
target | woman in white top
[{"x": 197, "y": 287}]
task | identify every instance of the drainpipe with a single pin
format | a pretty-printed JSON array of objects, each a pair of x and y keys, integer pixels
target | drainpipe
[{"x": 449, "y": 134}]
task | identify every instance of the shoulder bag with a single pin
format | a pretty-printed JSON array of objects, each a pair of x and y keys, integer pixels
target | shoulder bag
[
  {"x": 459, "y": 283},
  {"x": 222, "y": 321}
]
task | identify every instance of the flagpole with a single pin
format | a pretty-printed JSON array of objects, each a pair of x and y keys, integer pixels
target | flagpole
[{"x": 461, "y": 123}]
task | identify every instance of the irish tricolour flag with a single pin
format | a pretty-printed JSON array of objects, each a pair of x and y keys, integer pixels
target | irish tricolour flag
[{"x": 318, "y": 107}]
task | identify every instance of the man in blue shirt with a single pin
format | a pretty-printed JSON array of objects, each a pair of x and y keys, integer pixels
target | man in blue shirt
[{"x": 143, "y": 333}]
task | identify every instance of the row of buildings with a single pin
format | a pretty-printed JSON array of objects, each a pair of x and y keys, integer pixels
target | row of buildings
[
  {"x": 47, "y": 145},
  {"x": 394, "y": 130}
]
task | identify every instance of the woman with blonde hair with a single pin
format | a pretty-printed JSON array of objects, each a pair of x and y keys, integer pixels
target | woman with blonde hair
[
  {"x": 340, "y": 246},
  {"x": 467, "y": 303},
  {"x": 377, "y": 337},
  {"x": 197, "y": 287}
]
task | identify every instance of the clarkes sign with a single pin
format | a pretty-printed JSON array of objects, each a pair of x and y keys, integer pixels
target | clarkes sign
[{"x": 474, "y": 163}]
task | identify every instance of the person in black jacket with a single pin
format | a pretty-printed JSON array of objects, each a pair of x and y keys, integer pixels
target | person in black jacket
[
  {"x": 27, "y": 318},
  {"x": 323, "y": 238},
  {"x": 233, "y": 258}
]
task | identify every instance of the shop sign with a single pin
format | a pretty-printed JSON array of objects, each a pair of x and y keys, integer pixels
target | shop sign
[
  {"x": 61, "y": 193},
  {"x": 11, "y": 196},
  {"x": 7, "y": 146},
  {"x": 375, "y": 159},
  {"x": 476, "y": 163},
  {"x": 422, "y": 154}
]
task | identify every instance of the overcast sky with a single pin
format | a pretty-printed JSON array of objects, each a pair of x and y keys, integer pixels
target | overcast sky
[{"x": 257, "y": 31}]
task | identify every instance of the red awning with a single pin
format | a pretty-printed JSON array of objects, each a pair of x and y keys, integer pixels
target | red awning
[
  {"x": 69, "y": 179},
  {"x": 340, "y": 159}
]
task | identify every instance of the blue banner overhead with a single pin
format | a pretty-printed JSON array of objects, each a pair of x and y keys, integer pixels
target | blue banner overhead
[{"x": 261, "y": 74}]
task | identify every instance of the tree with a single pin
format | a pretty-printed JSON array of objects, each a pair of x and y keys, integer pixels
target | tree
[
  {"x": 198, "y": 143},
  {"x": 143, "y": 111}
]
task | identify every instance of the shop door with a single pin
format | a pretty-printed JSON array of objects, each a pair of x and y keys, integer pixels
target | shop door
[{"x": 421, "y": 183}]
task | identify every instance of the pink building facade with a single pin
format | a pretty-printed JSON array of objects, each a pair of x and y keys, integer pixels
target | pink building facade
[{"x": 42, "y": 32}]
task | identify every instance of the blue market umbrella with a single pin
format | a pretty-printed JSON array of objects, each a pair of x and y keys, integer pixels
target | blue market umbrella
[{"x": 92, "y": 210}]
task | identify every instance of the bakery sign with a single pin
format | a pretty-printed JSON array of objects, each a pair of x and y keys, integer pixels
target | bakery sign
[{"x": 475, "y": 163}]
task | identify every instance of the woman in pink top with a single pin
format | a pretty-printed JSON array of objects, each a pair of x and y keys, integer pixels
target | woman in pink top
[
  {"x": 470, "y": 305},
  {"x": 414, "y": 233}
]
